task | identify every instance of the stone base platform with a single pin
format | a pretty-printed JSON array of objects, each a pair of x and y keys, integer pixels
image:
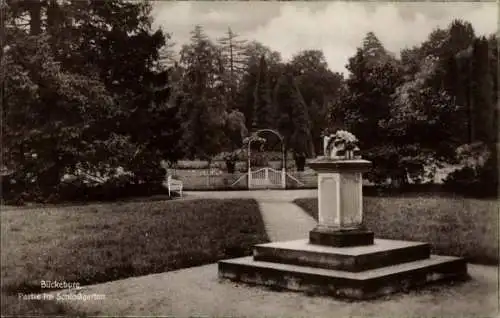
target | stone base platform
[
  {"x": 322, "y": 235},
  {"x": 361, "y": 272},
  {"x": 354, "y": 259}
]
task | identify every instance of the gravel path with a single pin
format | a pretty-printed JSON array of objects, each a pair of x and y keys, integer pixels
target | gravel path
[
  {"x": 259, "y": 195},
  {"x": 283, "y": 219},
  {"x": 197, "y": 292}
]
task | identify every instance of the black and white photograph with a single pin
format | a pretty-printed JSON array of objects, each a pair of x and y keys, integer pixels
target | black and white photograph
[{"x": 249, "y": 158}]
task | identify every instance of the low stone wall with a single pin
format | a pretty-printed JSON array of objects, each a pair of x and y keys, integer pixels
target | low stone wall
[
  {"x": 204, "y": 180},
  {"x": 215, "y": 179},
  {"x": 301, "y": 180}
]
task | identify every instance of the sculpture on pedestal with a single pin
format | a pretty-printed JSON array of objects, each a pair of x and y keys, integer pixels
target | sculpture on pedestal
[
  {"x": 340, "y": 209},
  {"x": 342, "y": 257},
  {"x": 342, "y": 145}
]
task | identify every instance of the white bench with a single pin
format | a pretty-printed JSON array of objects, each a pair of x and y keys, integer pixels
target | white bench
[{"x": 173, "y": 185}]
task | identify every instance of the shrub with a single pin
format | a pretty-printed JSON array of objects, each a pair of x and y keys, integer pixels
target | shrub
[{"x": 476, "y": 179}]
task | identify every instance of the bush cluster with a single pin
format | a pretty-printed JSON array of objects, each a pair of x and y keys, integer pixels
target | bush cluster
[{"x": 475, "y": 180}]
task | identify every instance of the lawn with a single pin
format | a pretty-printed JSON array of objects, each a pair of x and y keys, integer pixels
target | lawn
[
  {"x": 98, "y": 243},
  {"x": 454, "y": 226}
]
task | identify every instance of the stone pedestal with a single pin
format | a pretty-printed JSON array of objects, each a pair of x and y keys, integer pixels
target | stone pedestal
[{"x": 340, "y": 203}]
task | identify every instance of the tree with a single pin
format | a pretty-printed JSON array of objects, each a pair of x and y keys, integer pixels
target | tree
[
  {"x": 482, "y": 108},
  {"x": 233, "y": 56},
  {"x": 138, "y": 82},
  {"x": 50, "y": 116},
  {"x": 301, "y": 140},
  {"x": 254, "y": 52},
  {"x": 418, "y": 125},
  {"x": 494, "y": 71},
  {"x": 96, "y": 92},
  {"x": 447, "y": 98},
  {"x": 455, "y": 74},
  {"x": 263, "y": 113},
  {"x": 452, "y": 48},
  {"x": 202, "y": 112},
  {"x": 374, "y": 76},
  {"x": 235, "y": 133},
  {"x": 462, "y": 71},
  {"x": 494, "y": 67},
  {"x": 319, "y": 87},
  {"x": 293, "y": 121}
]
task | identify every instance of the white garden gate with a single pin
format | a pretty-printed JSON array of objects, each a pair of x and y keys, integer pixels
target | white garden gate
[{"x": 266, "y": 178}]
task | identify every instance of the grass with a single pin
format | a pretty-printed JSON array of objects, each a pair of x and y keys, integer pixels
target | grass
[
  {"x": 453, "y": 226},
  {"x": 99, "y": 243}
]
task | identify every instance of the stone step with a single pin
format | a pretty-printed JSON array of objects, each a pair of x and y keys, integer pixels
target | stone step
[
  {"x": 362, "y": 285},
  {"x": 352, "y": 259}
]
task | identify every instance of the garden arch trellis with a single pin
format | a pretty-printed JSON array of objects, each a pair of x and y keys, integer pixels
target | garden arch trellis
[{"x": 266, "y": 177}]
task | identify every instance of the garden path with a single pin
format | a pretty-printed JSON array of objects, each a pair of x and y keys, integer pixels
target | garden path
[{"x": 283, "y": 219}]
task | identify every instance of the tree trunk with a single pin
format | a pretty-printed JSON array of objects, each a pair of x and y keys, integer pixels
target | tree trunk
[
  {"x": 230, "y": 166},
  {"x": 300, "y": 162},
  {"x": 3, "y": 43},
  {"x": 35, "y": 12}
]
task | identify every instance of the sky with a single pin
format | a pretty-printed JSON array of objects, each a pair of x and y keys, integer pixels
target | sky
[{"x": 335, "y": 27}]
